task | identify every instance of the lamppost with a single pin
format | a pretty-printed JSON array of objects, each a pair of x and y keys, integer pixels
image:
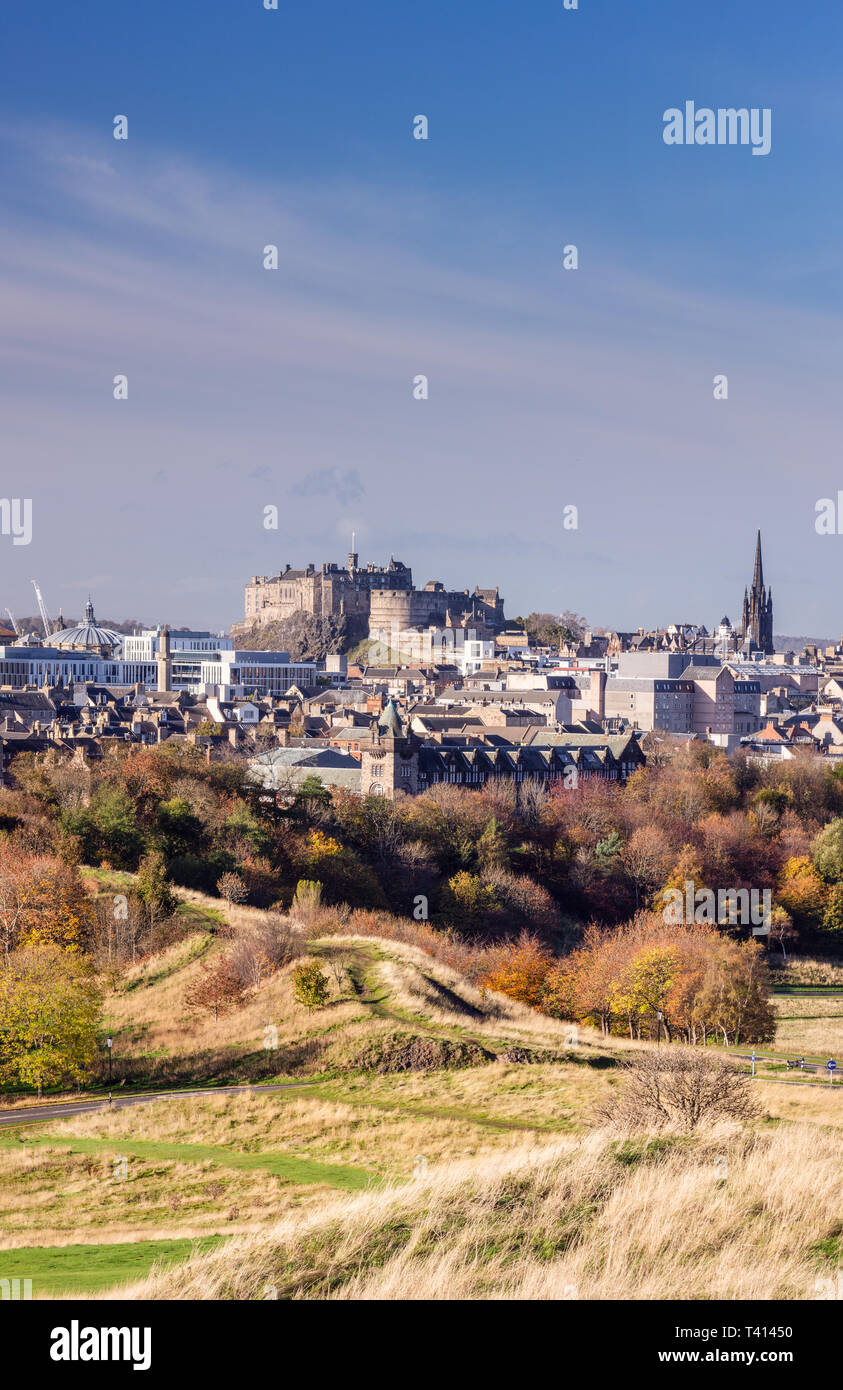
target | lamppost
[{"x": 109, "y": 1042}]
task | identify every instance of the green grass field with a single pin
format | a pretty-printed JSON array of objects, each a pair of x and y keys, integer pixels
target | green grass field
[
  {"x": 284, "y": 1166},
  {"x": 87, "y": 1269}
]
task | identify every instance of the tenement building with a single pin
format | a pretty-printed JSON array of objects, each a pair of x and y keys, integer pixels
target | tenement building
[{"x": 395, "y": 760}]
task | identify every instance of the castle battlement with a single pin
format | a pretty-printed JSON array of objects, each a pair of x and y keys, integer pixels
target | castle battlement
[{"x": 382, "y": 595}]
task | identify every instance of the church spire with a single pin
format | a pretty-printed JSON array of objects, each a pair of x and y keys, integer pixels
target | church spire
[
  {"x": 758, "y": 572},
  {"x": 757, "y": 626}
]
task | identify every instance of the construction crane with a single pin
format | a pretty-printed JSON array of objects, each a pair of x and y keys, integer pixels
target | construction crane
[
  {"x": 42, "y": 609},
  {"x": 12, "y": 621}
]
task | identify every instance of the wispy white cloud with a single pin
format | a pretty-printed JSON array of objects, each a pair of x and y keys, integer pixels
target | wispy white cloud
[{"x": 546, "y": 387}]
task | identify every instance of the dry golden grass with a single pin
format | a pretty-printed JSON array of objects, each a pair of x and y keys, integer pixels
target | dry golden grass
[
  {"x": 51, "y": 1197},
  {"x": 382, "y": 1140},
  {"x": 821, "y": 1104},
  {"x": 521, "y": 1197},
  {"x": 727, "y": 1215},
  {"x": 153, "y": 1019},
  {"x": 817, "y": 1006},
  {"x": 813, "y": 1027},
  {"x": 151, "y": 971},
  {"x": 560, "y": 1095},
  {"x": 410, "y": 978},
  {"x": 810, "y": 970}
]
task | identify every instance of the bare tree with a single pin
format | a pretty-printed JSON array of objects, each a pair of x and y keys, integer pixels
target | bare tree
[
  {"x": 262, "y": 948},
  {"x": 678, "y": 1086},
  {"x": 338, "y": 963}
]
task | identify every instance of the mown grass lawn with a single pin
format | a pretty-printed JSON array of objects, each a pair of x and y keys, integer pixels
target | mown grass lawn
[
  {"x": 86, "y": 1269},
  {"x": 288, "y": 1167}
]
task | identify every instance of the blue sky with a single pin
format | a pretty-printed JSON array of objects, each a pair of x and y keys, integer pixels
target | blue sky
[{"x": 398, "y": 257}]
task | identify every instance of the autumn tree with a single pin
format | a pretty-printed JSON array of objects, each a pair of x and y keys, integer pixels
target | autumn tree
[
  {"x": 735, "y": 994},
  {"x": 217, "y": 990},
  {"x": 42, "y": 901},
  {"x": 262, "y": 947},
  {"x": 519, "y": 968},
  {"x": 232, "y": 888},
  {"x": 584, "y": 985},
  {"x": 19, "y": 888},
  {"x": 467, "y": 901},
  {"x": 801, "y": 891},
  {"x": 646, "y": 859},
  {"x": 49, "y": 1014},
  {"x": 644, "y": 988}
]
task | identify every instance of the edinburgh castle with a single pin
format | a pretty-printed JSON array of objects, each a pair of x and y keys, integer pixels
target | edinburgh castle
[{"x": 382, "y": 596}]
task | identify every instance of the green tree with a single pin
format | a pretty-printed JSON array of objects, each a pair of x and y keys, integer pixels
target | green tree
[
  {"x": 120, "y": 838},
  {"x": 152, "y": 887},
  {"x": 833, "y": 912},
  {"x": 49, "y": 1015},
  {"x": 307, "y": 899},
  {"x": 492, "y": 848},
  {"x": 178, "y": 829},
  {"x": 606, "y": 851},
  {"x": 244, "y": 823},
  {"x": 310, "y": 985},
  {"x": 827, "y": 851},
  {"x": 312, "y": 792}
]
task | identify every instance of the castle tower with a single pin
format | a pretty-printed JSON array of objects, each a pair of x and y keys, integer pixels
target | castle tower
[
  {"x": 165, "y": 661},
  {"x": 757, "y": 617}
]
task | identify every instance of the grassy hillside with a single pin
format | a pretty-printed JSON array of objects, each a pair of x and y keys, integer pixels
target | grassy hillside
[
  {"x": 419, "y": 1137},
  {"x": 728, "y": 1216}
]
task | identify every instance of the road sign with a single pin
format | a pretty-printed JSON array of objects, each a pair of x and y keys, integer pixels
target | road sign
[
  {"x": 832, "y": 1066},
  {"x": 753, "y": 1062}
]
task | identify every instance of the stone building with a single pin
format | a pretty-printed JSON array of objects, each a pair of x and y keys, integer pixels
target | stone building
[
  {"x": 399, "y": 610},
  {"x": 329, "y": 591},
  {"x": 395, "y": 759},
  {"x": 389, "y": 762},
  {"x": 383, "y": 596}
]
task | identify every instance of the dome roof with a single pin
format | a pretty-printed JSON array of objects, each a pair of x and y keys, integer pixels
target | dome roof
[{"x": 88, "y": 635}]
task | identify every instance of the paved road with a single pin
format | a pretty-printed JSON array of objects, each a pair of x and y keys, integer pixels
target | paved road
[
  {"x": 815, "y": 1068},
  {"x": 61, "y": 1110},
  {"x": 812, "y": 1060}
]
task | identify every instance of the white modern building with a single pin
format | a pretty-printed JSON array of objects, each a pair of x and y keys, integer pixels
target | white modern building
[
  {"x": 268, "y": 673},
  {"x": 188, "y": 652}
]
